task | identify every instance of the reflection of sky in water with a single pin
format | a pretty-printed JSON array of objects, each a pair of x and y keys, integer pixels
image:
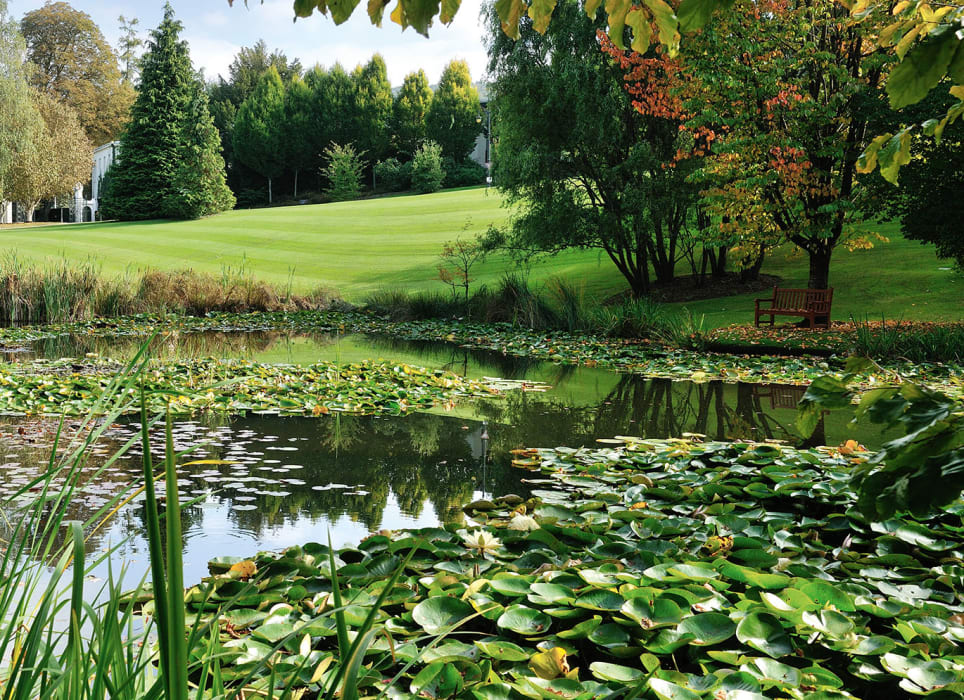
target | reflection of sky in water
[{"x": 397, "y": 472}]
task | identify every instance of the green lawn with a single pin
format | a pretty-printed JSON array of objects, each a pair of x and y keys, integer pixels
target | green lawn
[
  {"x": 355, "y": 247},
  {"x": 393, "y": 242},
  {"x": 899, "y": 279}
]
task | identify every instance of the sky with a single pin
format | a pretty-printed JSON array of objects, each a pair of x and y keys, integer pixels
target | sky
[{"x": 215, "y": 31}]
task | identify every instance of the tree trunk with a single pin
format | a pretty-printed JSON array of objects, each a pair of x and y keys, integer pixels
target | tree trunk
[
  {"x": 718, "y": 262},
  {"x": 819, "y": 269},
  {"x": 269, "y": 190},
  {"x": 29, "y": 215},
  {"x": 752, "y": 272},
  {"x": 296, "y": 184}
]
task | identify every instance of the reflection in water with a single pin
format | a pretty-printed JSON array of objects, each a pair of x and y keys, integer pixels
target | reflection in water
[{"x": 263, "y": 482}]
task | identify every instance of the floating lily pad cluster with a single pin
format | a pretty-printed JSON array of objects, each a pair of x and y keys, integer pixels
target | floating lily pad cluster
[
  {"x": 66, "y": 386},
  {"x": 725, "y": 571},
  {"x": 639, "y": 357}
]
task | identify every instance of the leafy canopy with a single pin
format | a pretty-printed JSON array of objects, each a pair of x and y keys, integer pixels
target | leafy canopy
[{"x": 75, "y": 64}]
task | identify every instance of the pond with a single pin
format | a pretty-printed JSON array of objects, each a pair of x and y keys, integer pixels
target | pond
[{"x": 268, "y": 482}]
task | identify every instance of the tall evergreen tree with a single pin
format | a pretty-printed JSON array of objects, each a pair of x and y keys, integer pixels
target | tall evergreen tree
[
  {"x": 170, "y": 127},
  {"x": 373, "y": 108},
  {"x": 333, "y": 107},
  {"x": 409, "y": 112},
  {"x": 453, "y": 120},
  {"x": 259, "y": 128},
  {"x": 200, "y": 187},
  {"x": 298, "y": 124}
]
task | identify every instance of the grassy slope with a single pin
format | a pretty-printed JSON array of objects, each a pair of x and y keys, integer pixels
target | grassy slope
[
  {"x": 355, "y": 247},
  {"x": 393, "y": 242}
]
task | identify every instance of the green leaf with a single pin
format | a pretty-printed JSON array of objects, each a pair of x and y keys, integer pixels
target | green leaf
[
  {"x": 524, "y": 620},
  {"x": 502, "y": 650},
  {"x": 763, "y": 632},
  {"x": 693, "y": 14},
  {"x": 600, "y": 599},
  {"x": 670, "y": 691},
  {"x": 707, "y": 628},
  {"x": 921, "y": 69},
  {"x": 438, "y": 614},
  {"x": 437, "y": 680},
  {"x": 614, "y": 672}
]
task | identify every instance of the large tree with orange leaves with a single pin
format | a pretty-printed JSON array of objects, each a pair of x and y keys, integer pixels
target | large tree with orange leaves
[{"x": 795, "y": 87}]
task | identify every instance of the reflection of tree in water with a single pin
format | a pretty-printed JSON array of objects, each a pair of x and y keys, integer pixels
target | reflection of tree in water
[
  {"x": 386, "y": 457},
  {"x": 457, "y": 359},
  {"x": 655, "y": 408},
  {"x": 416, "y": 461}
]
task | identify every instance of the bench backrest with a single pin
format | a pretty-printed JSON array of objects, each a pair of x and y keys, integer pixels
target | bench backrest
[{"x": 803, "y": 299}]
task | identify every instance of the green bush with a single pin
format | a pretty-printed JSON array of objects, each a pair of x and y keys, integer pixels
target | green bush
[
  {"x": 463, "y": 174},
  {"x": 427, "y": 172},
  {"x": 251, "y": 197},
  {"x": 393, "y": 176},
  {"x": 344, "y": 172}
]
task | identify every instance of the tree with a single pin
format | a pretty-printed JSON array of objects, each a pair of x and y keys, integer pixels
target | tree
[
  {"x": 344, "y": 172},
  {"x": 427, "y": 172},
  {"x": 200, "y": 187},
  {"x": 928, "y": 201},
  {"x": 251, "y": 63},
  {"x": 453, "y": 119},
  {"x": 58, "y": 160},
  {"x": 298, "y": 126},
  {"x": 373, "y": 107},
  {"x": 795, "y": 87},
  {"x": 259, "y": 128},
  {"x": 168, "y": 131},
  {"x": 598, "y": 178},
  {"x": 130, "y": 42},
  {"x": 76, "y": 64},
  {"x": 409, "y": 112},
  {"x": 226, "y": 95},
  {"x": 333, "y": 107},
  {"x": 20, "y": 120},
  {"x": 455, "y": 265}
]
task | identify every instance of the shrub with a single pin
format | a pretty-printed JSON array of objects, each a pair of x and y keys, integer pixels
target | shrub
[
  {"x": 344, "y": 172},
  {"x": 515, "y": 302},
  {"x": 427, "y": 172},
  {"x": 392, "y": 176},
  {"x": 251, "y": 197},
  {"x": 463, "y": 174}
]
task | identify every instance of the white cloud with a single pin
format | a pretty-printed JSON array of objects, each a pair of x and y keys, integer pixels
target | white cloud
[{"x": 211, "y": 54}]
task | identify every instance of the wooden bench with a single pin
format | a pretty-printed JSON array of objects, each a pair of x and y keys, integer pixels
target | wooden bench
[{"x": 811, "y": 304}]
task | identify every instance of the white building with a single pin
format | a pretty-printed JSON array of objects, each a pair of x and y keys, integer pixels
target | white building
[{"x": 103, "y": 158}]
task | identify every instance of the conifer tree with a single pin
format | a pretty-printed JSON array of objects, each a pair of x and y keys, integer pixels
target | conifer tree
[
  {"x": 373, "y": 107},
  {"x": 410, "y": 109},
  {"x": 200, "y": 187},
  {"x": 169, "y": 132},
  {"x": 453, "y": 120},
  {"x": 259, "y": 128},
  {"x": 298, "y": 127}
]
